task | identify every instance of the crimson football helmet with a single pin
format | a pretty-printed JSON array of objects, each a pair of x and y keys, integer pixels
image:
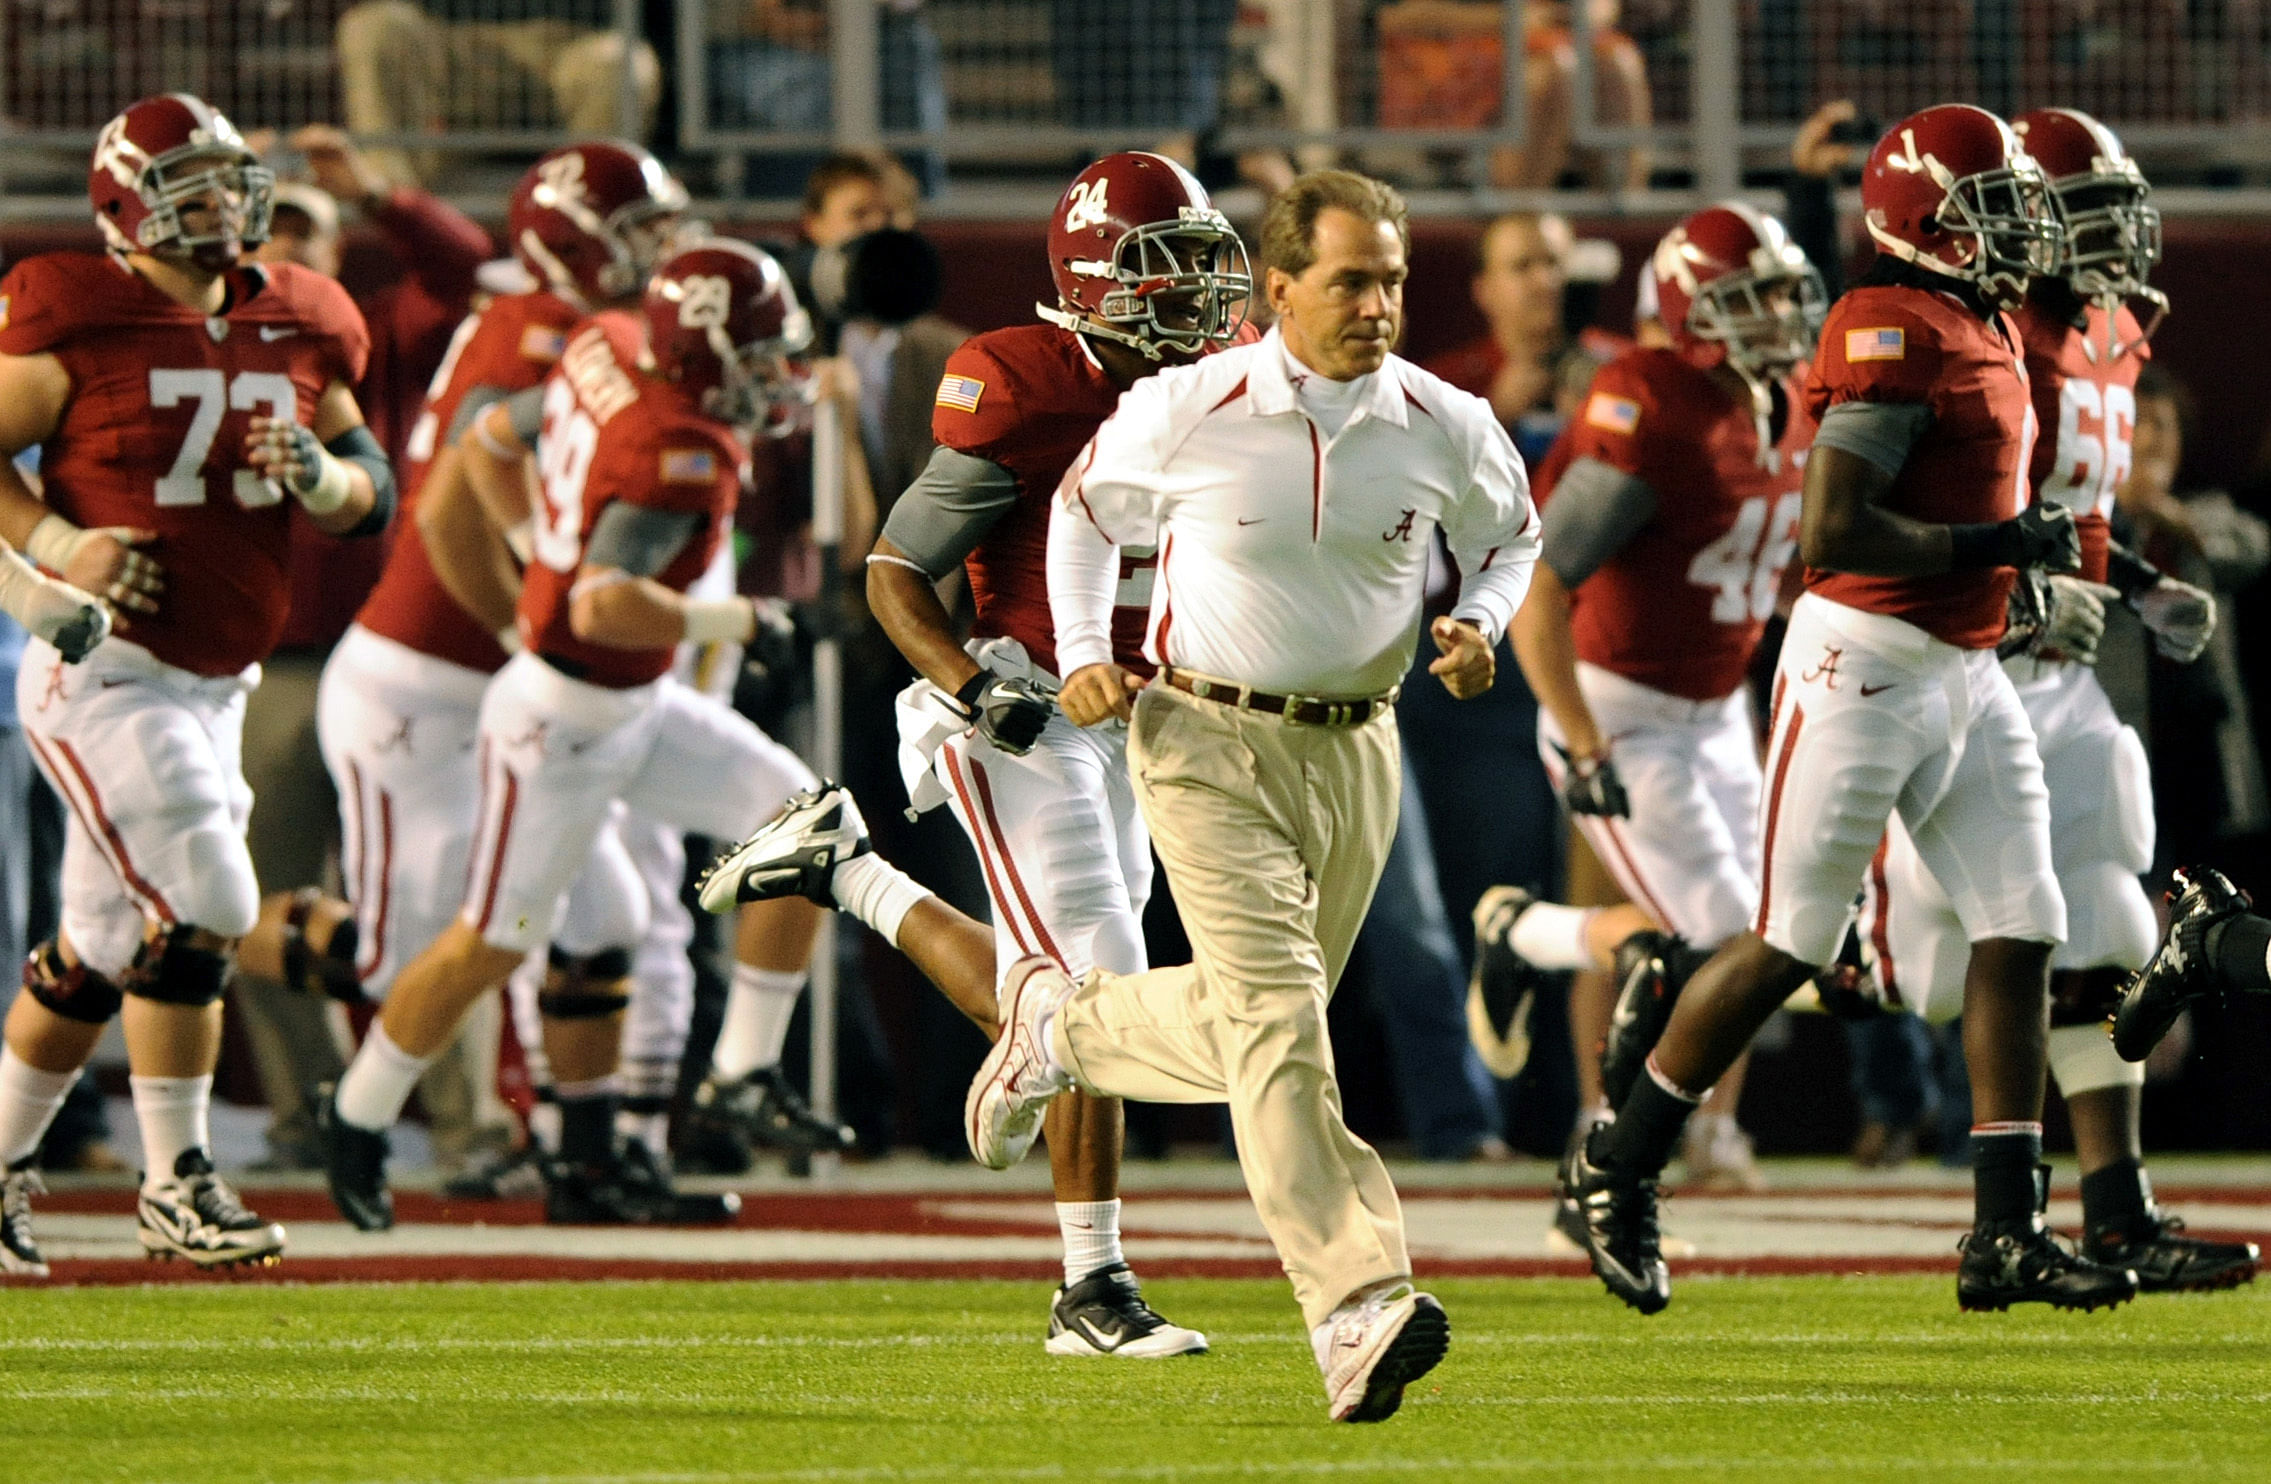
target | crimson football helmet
[
  {"x": 2113, "y": 232},
  {"x": 590, "y": 220},
  {"x": 174, "y": 153},
  {"x": 1141, "y": 257},
  {"x": 1732, "y": 288},
  {"x": 1951, "y": 190},
  {"x": 724, "y": 324}
]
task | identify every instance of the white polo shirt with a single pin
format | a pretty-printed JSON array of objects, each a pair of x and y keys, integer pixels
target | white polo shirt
[{"x": 1291, "y": 558}]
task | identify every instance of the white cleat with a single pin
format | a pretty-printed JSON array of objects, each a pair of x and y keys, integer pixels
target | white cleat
[
  {"x": 1371, "y": 1350},
  {"x": 1002, "y": 1115},
  {"x": 196, "y": 1215},
  {"x": 19, "y": 1252},
  {"x": 795, "y": 854}
]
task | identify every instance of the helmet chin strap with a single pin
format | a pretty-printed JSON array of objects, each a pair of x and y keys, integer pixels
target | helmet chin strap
[{"x": 1081, "y": 324}]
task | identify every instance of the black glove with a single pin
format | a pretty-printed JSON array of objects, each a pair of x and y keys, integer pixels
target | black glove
[
  {"x": 1009, "y": 713},
  {"x": 1590, "y": 786},
  {"x": 2045, "y": 537}
]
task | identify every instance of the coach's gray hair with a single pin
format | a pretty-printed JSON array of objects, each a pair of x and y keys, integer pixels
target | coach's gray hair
[{"x": 1289, "y": 227}]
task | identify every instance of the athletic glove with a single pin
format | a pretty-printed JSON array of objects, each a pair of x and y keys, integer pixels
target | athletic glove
[
  {"x": 1590, "y": 786},
  {"x": 2182, "y": 618},
  {"x": 2044, "y": 536},
  {"x": 299, "y": 462},
  {"x": 1009, "y": 713},
  {"x": 2076, "y": 619},
  {"x": 56, "y": 611}
]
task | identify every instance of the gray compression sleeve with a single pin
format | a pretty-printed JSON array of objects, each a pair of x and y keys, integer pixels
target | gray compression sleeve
[
  {"x": 639, "y": 539},
  {"x": 949, "y": 508},
  {"x": 476, "y": 401},
  {"x": 1595, "y": 510},
  {"x": 1881, "y": 432},
  {"x": 526, "y": 409}
]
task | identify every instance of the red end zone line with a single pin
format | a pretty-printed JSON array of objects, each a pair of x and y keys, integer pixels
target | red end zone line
[{"x": 128, "y": 1272}]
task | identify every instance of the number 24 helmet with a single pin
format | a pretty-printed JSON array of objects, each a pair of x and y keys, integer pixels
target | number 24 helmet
[
  {"x": 1141, "y": 257},
  {"x": 722, "y": 322}
]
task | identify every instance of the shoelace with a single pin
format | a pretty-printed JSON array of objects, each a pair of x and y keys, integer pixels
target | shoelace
[
  {"x": 212, "y": 1199},
  {"x": 1128, "y": 1303},
  {"x": 16, "y": 1192}
]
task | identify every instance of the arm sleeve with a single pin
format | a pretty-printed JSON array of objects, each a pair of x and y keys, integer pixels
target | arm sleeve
[
  {"x": 639, "y": 539},
  {"x": 1596, "y": 509},
  {"x": 949, "y": 508},
  {"x": 477, "y": 400},
  {"x": 1084, "y": 573},
  {"x": 1493, "y": 529},
  {"x": 1881, "y": 432},
  {"x": 1810, "y": 213},
  {"x": 526, "y": 409}
]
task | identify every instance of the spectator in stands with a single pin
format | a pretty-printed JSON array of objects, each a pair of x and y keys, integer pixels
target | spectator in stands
[
  {"x": 295, "y": 815},
  {"x": 770, "y": 70},
  {"x": 410, "y": 68}
]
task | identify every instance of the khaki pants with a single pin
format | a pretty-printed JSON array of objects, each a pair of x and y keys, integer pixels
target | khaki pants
[
  {"x": 1273, "y": 837},
  {"x": 404, "y": 71}
]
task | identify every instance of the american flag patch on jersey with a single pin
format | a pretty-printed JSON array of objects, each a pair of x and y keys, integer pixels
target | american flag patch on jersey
[
  {"x": 4, "y": 298},
  {"x": 1616, "y": 414},
  {"x": 1876, "y": 345},
  {"x": 688, "y": 466},
  {"x": 960, "y": 392},
  {"x": 543, "y": 343}
]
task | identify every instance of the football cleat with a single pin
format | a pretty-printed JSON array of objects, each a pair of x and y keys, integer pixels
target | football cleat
[
  {"x": 763, "y": 1110},
  {"x": 2179, "y": 971},
  {"x": 1370, "y": 1351},
  {"x": 2025, "y": 1264},
  {"x": 1651, "y": 969},
  {"x": 354, "y": 1165},
  {"x": 1619, "y": 1228},
  {"x": 511, "y": 1175},
  {"x": 795, "y": 854},
  {"x": 1104, "y": 1314},
  {"x": 646, "y": 1171},
  {"x": 1504, "y": 986},
  {"x": 1718, "y": 1153},
  {"x": 1002, "y": 1115},
  {"x": 594, "y": 1193},
  {"x": 194, "y": 1214},
  {"x": 2167, "y": 1261},
  {"x": 19, "y": 1253}
]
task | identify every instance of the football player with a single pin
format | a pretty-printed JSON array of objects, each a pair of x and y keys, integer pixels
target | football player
[
  {"x": 1672, "y": 514},
  {"x": 180, "y": 395},
  {"x": 1916, "y": 521},
  {"x": 2084, "y": 348},
  {"x": 1148, "y": 274},
  {"x": 638, "y": 435},
  {"x": 2213, "y": 945}
]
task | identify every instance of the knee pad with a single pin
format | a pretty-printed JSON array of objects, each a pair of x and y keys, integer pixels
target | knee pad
[
  {"x": 588, "y": 987},
  {"x": 330, "y": 973},
  {"x": 74, "y": 992},
  {"x": 171, "y": 970},
  {"x": 2084, "y": 997},
  {"x": 2082, "y": 1059}
]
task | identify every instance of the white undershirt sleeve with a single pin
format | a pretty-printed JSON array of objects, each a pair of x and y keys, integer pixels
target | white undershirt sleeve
[
  {"x": 1493, "y": 533},
  {"x": 1105, "y": 501},
  {"x": 1084, "y": 576}
]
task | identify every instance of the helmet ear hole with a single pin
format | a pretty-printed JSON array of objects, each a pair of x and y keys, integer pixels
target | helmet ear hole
[{"x": 1931, "y": 222}]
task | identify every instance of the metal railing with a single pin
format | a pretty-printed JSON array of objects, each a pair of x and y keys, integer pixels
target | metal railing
[{"x": 1464, "y": 95}]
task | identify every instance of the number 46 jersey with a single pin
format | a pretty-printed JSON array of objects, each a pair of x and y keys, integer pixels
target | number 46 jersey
[
  {"x": 1681, "y": 604},
  {"x": 153, "y": 433}
]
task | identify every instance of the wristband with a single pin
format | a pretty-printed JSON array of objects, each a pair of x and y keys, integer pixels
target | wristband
[
  {"x": 1988, "y": 544},
  {"x": 52, "y": 542},
  {"x": 967, "y": 696},
  {"x": 330, "y": 489},
  {"x": 714, "y": 620},
  {"x": 2128, "y": 573}
]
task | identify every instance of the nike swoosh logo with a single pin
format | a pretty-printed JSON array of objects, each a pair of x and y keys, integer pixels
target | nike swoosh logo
[
  {"x": 1254, "y": 522},
  {"x": 1110, "y": 1339},
  {"x": 278, "y": 332},
  {"x": 1870, "y": 690},
  {"x": 1081, "y": 1226}
]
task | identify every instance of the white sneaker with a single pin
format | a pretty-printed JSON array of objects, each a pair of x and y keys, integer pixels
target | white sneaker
[
  {"x": 1718, "y": 1154},
  {"x": 795, "y": 854},
  {"x": 19, "y": 1252},
  {"x": 195, "y": 1214},
  {"x": 1104, "y": 1314},
  {"x": 1002, "y": 1115},
  {"x": 1372, "y": 1349}
]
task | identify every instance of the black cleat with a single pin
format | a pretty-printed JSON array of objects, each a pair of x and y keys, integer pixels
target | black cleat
[
  {"x": 1568, "y": 1216},
  {"x": 354, "y": 1164},
  {"x": 644, "y": 1170},
  {"x": 19, "y": 1252},
  {"x": 1616, "y": 1215},
  {"x": 2178, "y": 972},
  {"x": 2026, "y": 1264},
  {"x": 795, "y": 854},
  {"x": 513, "y": 1175},
  {"x": 2167, "y": 1261},
  {"x": 598, "y": 1192},
  {"x": 1651, "y": 969},
  {"x": 193, "y": 1213},
  {"x": 770, "y": 1114},
  {"x": 1104, "y": 1314},
  {"x": 1504, "y": 985}
]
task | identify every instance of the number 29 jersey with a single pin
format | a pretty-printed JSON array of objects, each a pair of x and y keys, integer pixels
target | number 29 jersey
[
  {"x": 614, "y": 433},
  {"x": 1680, "y": 607},
  {"x": 153, "y": 433}
]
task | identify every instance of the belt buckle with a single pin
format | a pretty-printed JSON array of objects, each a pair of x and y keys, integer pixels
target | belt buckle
[{"x": 1336, "y": 713}]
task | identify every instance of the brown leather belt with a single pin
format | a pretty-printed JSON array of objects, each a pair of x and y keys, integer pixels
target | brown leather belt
[{"x": 1306, "y": 711}]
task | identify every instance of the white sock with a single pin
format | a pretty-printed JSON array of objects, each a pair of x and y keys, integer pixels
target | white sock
[
  {"x": 172, "y": 1112},
  {"x": 1092, "y": 1236},
  {"x": 757, "y": 1012},
  {"x": 1552, "y": 936},
  {"x": 28, "y": 1100},
  {"x": 544, "y": 1125},
  {"x": 878, "y": 893},
  {"x": 650, "y": 1129},
  {"x": 379, "y": 1081}
]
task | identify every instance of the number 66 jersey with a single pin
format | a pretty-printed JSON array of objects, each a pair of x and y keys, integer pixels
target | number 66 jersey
[{"x": 153, "y": 434}]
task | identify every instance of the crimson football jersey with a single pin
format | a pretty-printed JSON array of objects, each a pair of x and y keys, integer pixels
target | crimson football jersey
[
  {"x": 509, "y": 345},
  {"x": 612, "y": 432},
  {"x": 2085, "y": 412},
  {"x": 1029, "y": 398},
  {"x": 1889, "y": 343},
  {"x": 162, "y": 399},
  {"x": 1680, "y": 607}
]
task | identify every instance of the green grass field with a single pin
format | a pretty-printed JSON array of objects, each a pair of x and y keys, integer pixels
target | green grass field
[{"x": 1798, "y": 1378}]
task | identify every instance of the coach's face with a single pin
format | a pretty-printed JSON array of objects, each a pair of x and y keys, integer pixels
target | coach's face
[{"x": 1342, "y": 313}]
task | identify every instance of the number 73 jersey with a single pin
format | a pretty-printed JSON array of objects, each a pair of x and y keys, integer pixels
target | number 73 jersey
[
  {"x": 153, "y": 433},
  {"x": 1681, "y": 605}
]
